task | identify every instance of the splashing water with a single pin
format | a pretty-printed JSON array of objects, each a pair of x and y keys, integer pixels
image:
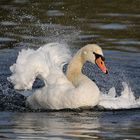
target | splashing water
[
  {"x": 126, "y": 100},
  {"x": 33, "y": 63}
]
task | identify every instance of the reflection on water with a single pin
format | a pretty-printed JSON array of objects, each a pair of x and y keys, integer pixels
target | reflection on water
[
  {"x": 112, "y": 24},
  {"x": 70, "y": 125}
]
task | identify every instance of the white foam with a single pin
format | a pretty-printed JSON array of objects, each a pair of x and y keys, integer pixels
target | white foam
[{"x": 125, "y": 101}]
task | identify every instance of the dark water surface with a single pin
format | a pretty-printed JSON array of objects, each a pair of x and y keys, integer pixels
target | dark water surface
[
  {"x": 114, "y": 25},
  {"x": 70, "y": 125}
]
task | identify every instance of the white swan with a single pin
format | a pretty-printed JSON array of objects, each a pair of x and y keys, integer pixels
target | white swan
[{"x": 72, "y": 90}]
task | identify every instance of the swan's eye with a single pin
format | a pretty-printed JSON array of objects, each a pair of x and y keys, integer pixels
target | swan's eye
[{"x": 98, "y": 55}]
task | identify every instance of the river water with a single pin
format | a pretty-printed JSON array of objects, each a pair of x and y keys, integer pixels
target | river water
[{"x": 114, "y": 25}]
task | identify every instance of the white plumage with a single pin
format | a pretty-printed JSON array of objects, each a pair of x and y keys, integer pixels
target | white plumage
[{"x": 60, "y": 91}]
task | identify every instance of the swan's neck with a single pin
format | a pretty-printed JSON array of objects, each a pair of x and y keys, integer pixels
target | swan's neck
[{"x": 74, "y": 68}]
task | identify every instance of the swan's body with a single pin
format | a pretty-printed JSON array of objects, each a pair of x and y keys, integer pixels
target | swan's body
[{"x": 61, "y": 91}]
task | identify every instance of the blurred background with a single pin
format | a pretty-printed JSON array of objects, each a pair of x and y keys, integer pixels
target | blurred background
[{"x": 112, "y": 24}]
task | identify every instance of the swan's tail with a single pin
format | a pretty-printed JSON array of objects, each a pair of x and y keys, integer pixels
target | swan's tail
[{"x": 41, "y": 62}]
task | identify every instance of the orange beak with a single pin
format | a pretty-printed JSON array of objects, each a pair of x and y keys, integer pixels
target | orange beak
[{"x": 100, "y": 63}]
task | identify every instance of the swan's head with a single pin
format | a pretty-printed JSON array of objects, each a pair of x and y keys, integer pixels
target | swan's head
[{"x": 94, "y": 54}]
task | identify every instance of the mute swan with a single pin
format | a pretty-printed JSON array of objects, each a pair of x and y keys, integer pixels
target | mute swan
[{"x": 72, "y": 90}]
